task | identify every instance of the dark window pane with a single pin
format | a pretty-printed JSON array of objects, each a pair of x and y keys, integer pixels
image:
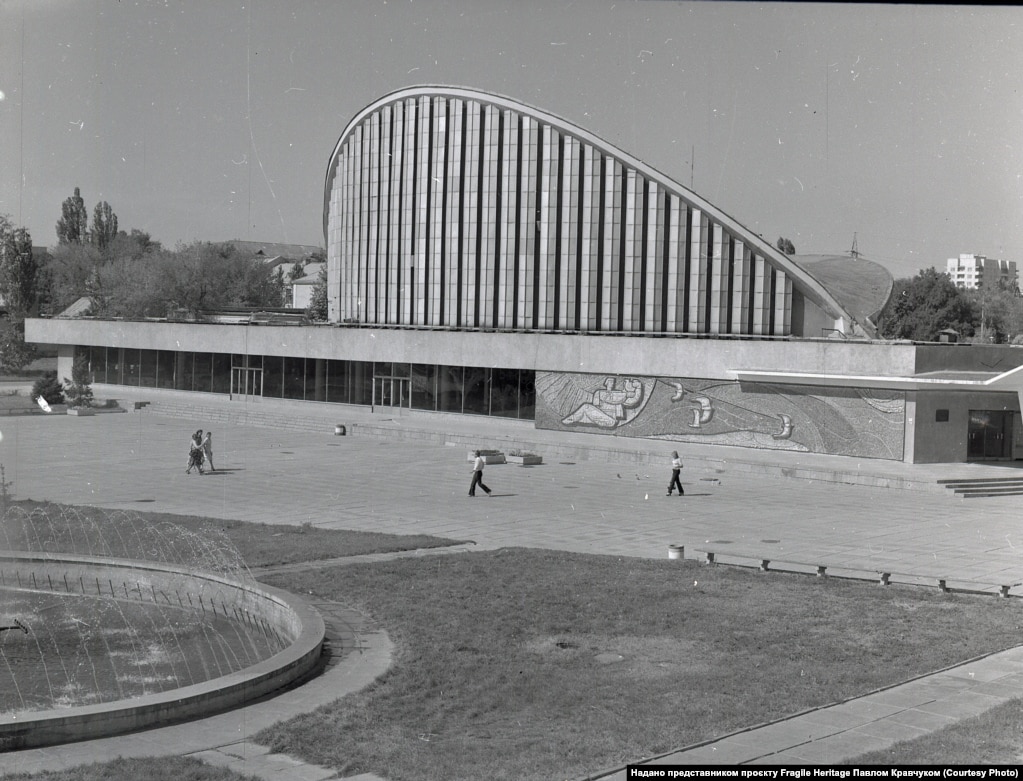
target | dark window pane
[
  {"x": 527, "y": 395},
  {"x": 132, "y": 366},
  {"x": 184, "y": 371},
  {"x": 114, "y": 363},
  {"x": 424, "y": 386},
  {"x": 477, "y": 391},
  {"x": 294, "y": 378},
  {"x": 202, "y": 372},
  {"x": 360, "y": 382},
  {"x": 449, "y": 388},
  {"x": 220, "y": 370},
  {"x": 147, "y": 377},
  {"x": 273, "y": 377},
  {"x": 504, "y": 393},
  {"x": 98, "y": 364},
  {"x": 337, "y": 385},
  {"x": 316, "y": 379},
  {"x": 165, "y": 369}
]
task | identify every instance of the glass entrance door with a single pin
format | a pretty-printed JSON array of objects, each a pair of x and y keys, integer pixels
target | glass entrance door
[
  {"x": 989, "y": 436},
  {"x": 246, "y": 384},
  {"x": 391, "y": 392}
]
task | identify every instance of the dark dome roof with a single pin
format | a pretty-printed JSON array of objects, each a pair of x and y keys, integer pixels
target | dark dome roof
[{"x": 860, "y": 285}]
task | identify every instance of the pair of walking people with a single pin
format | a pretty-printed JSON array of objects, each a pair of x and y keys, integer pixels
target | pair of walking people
[{"x": 200, "y": 452}]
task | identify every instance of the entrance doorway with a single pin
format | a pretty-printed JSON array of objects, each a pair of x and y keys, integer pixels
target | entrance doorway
[
  {"x": 392, "y": 392},
  {"x": 989, "y": 437},
  {"x": 246, "y": 384}
]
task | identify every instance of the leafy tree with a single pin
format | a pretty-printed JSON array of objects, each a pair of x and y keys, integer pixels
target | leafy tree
[
  {"x": 317, "y": 309},
  {"x": 104, "y": 225},
  {"x": 19, "y": 271},
  {"x": 262, "y": 286},
  {"x": 71, "y": 273},
  {"x": 132, "y": 246},
  {"x": 78, "y": 389},
  {"x": 921, "y": 307},
  {"x": 73, "y": 227},
  {"x": 15, "y": 352},
  {"x": 999, "y": 312},
  {"x": 786, "y": 246},
  {"x": 206, "y": 277},
  {"x": 297, "y": 270},
  {"x": 126, "y": 287}
]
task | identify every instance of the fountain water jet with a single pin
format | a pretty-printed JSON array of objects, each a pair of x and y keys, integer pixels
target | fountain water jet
[{"x": 112, "y": 642}]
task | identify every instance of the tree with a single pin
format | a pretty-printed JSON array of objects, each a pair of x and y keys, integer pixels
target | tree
[
  {"x": 104, "y": 225},
  {"x": 317, "y": 309},
  {"x": 133, "y": 246},
  {"x": 786, "y": 246},
  {"x": 72, "y": 270},
  {"x": 73, "y": 227},
  {"x": 49, "y": 387},
  {"x": 78, "y": 389},
  {"x": 921, "y": 307},
  {"x": 999, "y": 312},
  {"x": 15, "y": 352},
  {"x": 19, "y": 271},
  {"x": 207, "y": 277}
]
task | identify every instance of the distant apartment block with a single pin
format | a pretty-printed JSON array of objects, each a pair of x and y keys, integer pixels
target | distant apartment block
[{"x": 974, "y": 271}]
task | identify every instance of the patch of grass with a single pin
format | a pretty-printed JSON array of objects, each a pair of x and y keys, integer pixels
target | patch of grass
[
  {"x": 992, "y": 738},
  {"x": 259, "y": 544},
  {"x": 149, "y": 768},
  {"x": 526, "y": 664}
]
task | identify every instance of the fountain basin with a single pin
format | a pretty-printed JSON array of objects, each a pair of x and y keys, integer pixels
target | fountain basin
[{"x": 286, "y": 621}]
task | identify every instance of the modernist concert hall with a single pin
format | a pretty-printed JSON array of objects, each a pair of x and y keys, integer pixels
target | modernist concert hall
[{"x": 485, "y": 257}]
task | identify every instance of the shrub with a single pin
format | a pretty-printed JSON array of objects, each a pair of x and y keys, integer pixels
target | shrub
[
  {"x": 49, "y": 387},
  {"x": 79, "y": 387}
]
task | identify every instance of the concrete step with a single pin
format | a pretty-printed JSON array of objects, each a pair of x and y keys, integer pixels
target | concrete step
[
  {"x": 978, "y": 493},
  {"x": 982, "y": 487},
  {"x": 982, "y": 481}
]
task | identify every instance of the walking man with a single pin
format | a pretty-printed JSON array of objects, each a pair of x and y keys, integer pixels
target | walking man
[
  {"x": 676, "y": 467},
  {"x": 477, "y": 476}
]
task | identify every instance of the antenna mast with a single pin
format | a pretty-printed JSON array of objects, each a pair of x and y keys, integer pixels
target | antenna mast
[{"x": 855, "y": 251}]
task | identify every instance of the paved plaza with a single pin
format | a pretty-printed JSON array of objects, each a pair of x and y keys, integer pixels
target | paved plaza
[
  {"x": 402, "y": 486},
  {"x": 395, "y": 484}
]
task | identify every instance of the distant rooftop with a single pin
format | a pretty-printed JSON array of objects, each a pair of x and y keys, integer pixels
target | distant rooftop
[{"x": 270, "y": 250}]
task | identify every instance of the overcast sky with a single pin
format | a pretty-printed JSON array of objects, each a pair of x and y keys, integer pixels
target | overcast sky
[{"x": 214, "y": 119}]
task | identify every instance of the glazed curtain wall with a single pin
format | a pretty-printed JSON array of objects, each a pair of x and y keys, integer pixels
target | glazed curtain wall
[
  {"x": 464, "y": 390},
  {"x": 453, "y": 212}
]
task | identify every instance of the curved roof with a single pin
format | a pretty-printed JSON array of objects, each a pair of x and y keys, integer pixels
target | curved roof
[
  {"x": 860, "y": 285},
  {"x": 808, "y": 284}
]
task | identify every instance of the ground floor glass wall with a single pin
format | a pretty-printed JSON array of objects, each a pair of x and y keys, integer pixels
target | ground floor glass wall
[{"x": 461, "y": 389}]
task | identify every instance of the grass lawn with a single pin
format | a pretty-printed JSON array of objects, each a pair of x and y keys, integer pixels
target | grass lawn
[
  {"x": 992, "y": 738},
  {"x": 164, "y": 769},
  {"x": 526, "y": 664},
  {"x": 259, "y": 544}
]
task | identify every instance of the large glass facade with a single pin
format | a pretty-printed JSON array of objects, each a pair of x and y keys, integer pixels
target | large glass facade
[{"x": 468, "y": 390}]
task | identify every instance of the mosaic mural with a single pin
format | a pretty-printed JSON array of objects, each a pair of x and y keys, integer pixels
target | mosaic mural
[{"x": 837, "y": 421}]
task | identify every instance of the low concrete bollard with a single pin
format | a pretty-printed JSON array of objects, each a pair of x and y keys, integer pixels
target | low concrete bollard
[{"x": 676, "y": 552}]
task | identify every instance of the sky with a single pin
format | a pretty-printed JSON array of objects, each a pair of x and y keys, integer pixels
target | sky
[{"x": 897, "y": 126}]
